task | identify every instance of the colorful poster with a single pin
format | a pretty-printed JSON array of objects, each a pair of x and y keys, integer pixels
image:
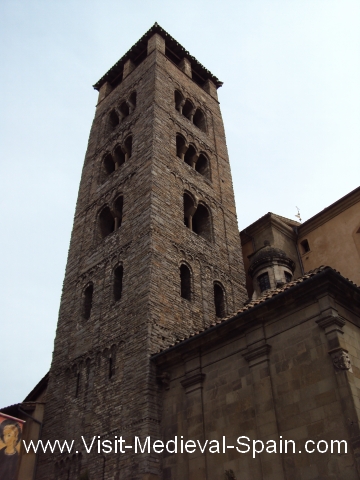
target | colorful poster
[{"x": 10, "y": 442}]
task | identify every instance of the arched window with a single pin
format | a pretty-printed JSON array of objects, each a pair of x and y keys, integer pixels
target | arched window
[
  {"x": 199, "y": 120},
  {"x": 87, "y": 301},
  {"x": 288, "y": 276},
  {"x": 185, "y": 282},
  {"x": 124, "y": 109},
  {"x": 190, "y": 156},
  {"x": 111, "y": 367},
  {"x": 189, "y": 210},
  {"x": 113, "y": 119},
  {"x": 118, "y": 210},
  {"x": 188, "y": 110},
  {"x": 132, "y": 100},
  {"x": 118, "y": 282},
  {"x": 202, "y": 166},
  {"x": 180, "y": 146},
  {"x": 109, "y": 165},
  {"x": 219, "y": 300},
  {"x": 119, "y": 156},
  {"x": 201, "y": 222},
  {"x": 264, "y": 282},
  {"x": 106, "y": 222},
  {"x": 128, "y": 147},
  {"x": 179, "y": 101}
]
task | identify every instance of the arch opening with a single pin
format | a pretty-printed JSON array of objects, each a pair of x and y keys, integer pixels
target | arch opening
[
  {"x": 87, "y": 301},
  {"x": 124, "y": 109},
  {"x": 188, "y": 110},
  {"x": 199, "y": 120},
  {"x": 113, "y": 119},
  {"x": 190, "y": 156},
  {"x": 202, "y": 166},
  {"x": 185, "y": 282},
  {"x": 119, "y": 156},
  {"x": 109, "y": 165},
  {"x": 219, "y": 300},
  {"x": 118, "y": 282},
  {"x": 106, "y": 222},
  {"x": 201, "y": 222}
]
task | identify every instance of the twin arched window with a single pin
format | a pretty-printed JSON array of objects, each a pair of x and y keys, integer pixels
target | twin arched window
[
  {"x": 113, "y": 161},
  {"x": 198, "y": 218},
  {"x": 188, "y": 153},
  {"x": 117, "y": 115},
  {"x": 110, "y": 219},
  {"x": 186, "y": 108}
]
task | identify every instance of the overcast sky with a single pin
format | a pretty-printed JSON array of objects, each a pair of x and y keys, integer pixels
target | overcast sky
[{"x": 290, "y": 103}]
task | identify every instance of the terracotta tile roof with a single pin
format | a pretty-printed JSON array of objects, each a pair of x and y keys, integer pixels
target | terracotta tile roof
[{"x": 266, "y": 296}]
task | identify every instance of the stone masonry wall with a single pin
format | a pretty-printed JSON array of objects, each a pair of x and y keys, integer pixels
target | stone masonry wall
[{"x": 101, "y": 380}]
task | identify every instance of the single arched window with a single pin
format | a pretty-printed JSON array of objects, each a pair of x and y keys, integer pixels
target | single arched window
[
  {"x": 219, "y": 300},
  {"x": 264, "y": 282},
  {"x": 199, "y": 120},
  {"x": 288, "y": 277},
  {"x": 106, "y": 222},
  {"x": 185, "y": 282},
  {"x": 201, "y": 222},
  {"x": 118, "y": 282},
  {"x": 87, "y": 301}
]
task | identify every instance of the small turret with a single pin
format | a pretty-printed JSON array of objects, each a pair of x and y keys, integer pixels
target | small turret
[{"x": 270, "y": 268}]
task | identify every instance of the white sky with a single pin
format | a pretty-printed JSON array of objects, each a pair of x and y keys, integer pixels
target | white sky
[{"x": 290, "y": 103}]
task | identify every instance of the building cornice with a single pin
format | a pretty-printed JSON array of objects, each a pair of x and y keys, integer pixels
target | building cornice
[{"x": 329, "y": 212}]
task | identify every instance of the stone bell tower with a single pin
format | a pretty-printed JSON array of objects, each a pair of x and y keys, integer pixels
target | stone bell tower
[{"x": 154, "y": 255}]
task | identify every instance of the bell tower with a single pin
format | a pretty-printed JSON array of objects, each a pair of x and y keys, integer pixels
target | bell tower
[{"x": 154, "y": 255}]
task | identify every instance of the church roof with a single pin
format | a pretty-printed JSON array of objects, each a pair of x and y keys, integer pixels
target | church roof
[
  {"x": 269, "y": 294},
  {"x": 141, "y": 45}
]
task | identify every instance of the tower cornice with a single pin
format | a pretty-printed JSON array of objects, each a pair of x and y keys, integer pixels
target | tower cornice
[{"x": 136, "y": 51}]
